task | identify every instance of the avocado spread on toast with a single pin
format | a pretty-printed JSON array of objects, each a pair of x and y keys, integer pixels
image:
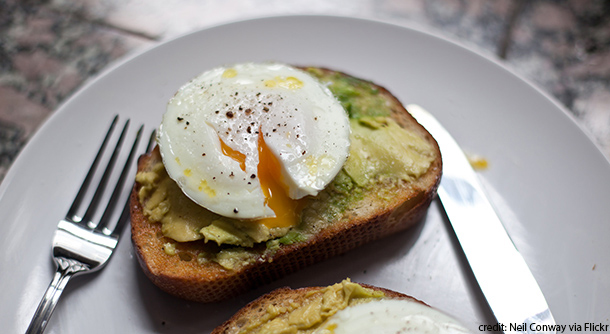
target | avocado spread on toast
[
  {"x": 313, "y": 311},
  {"x": 380, "y": 152}
]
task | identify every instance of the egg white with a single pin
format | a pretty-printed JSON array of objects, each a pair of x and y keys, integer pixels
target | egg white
[
  {"x": 302, "y": 123},
  {"x": 391, "y": 316}
]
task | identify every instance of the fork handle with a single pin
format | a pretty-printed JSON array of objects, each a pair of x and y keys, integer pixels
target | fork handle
[{"x": 66, "y": 268}]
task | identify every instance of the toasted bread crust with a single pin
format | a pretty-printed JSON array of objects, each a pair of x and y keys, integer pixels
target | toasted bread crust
[
  {"x": 284, "y": 296},
  {"x": 185, "y": 277}
]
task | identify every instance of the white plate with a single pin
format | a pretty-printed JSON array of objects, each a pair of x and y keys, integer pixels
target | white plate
[{"x": 549, "y": 182}]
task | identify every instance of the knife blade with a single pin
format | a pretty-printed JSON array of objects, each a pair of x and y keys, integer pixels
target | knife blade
[{"x": 507, "y": 283}]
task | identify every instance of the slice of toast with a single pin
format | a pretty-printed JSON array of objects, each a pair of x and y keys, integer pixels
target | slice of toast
[
  {"x": 284, "y": 306},
  {"x": 182, "y": 272}
]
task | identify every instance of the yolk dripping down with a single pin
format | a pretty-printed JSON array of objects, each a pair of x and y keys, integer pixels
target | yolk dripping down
[{"x": 287, "y": 210}]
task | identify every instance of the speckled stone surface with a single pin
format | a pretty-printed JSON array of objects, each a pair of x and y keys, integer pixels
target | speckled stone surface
[{"x": 49, "y": 49}]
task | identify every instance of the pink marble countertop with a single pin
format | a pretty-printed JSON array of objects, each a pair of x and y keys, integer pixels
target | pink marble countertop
[{"x": 49, "y": 49}]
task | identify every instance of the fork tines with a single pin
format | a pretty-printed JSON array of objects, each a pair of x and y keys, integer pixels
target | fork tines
[{"x": 88, "y": 219}]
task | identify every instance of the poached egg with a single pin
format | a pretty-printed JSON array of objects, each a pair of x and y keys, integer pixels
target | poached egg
[
  {"x": 391, "y": 316},
  {"x": 248, "y": 141}
]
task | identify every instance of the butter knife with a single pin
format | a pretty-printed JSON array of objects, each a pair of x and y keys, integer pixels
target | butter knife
[{"x": 501, "y": 272}]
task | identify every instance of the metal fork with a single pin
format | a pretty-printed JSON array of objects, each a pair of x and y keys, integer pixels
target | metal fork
[{"x": 80, "y": 244}]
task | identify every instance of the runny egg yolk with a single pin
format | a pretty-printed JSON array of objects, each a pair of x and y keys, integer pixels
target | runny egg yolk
[
  {"x": 233, "y": 154},
  {"x": 287, "y": 210}
]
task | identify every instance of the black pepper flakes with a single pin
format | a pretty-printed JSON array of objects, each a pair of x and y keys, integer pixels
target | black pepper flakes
[
  {"x": 265, "y": 109},
  {"x": 229, "y": 114},
  {"x": 235, "y": 210},
  {"x": 180, "y": 119},
  {"x": 253, "y": 176}
]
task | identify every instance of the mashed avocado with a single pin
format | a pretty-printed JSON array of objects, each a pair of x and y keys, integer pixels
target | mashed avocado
[
  {"x": 183, "y": 220},
  {"x": 309, "y": 315},
  {"x": 358, "y": 97},
  {"x": 380, "y": 152},
  {"x": 381, "y": 149}
]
